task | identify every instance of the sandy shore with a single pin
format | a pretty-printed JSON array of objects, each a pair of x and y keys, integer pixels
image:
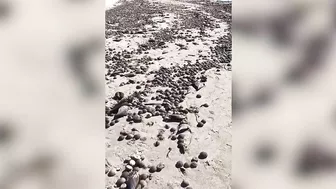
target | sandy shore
[{"x": 186, "y": 73}]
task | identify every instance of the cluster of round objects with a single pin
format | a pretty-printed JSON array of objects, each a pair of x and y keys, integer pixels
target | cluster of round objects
[
  {"x": 171, "y": 97},
  {"x": 201, "y": 123},
  {"x": 181, "y": 143},
  {"x": 133, "y": 135},
  {"x": 118, "y": 65},
  {"x": 174, "y": 82},
  {"x": 130, "y": 174},
  {"x": 193, "y": 164},
  {"x": 222, "y": 52},
  {"x": 157, "y": 168}
]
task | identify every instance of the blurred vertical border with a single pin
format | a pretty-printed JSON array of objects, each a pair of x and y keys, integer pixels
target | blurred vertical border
[
  {"x": 283, "y": 94},
  {"x": 52, "y": 94}
]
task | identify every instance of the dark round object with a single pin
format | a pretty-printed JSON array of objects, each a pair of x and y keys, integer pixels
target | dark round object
[
  {"x": 157, "y": 143},
  {"x": 137, "y": 119},
  {"x": 194, "y": 159},
  {"x": 181, "y": 136},
  {"x": 173, "y": 137},
  {"x": 126, "y": 161},
  {"x": 203, "y": 121},
  {"x": 161, "y": 137},
  {"x": 184, "y": 183},
  {"x": 189, "y": 187},
  {"x": 137, "y": 136},
  {"x": 124, "y": 133},
  {"x": 172, "y": 129},
  {"x": 198, "y": 96},
  {"x": 111, "y": 173},
  {"x": 125, "y": 174},
  {"x": 159, "y": 167},
  {"x": 180, "y": 140},
  {"x": 200, "y": 124},
  {"x": 193, "y": 165},
  {"x": 166, "y": 126},
  {"x": 138, "y": 87},
  {"x": 180, "y": 145},
  {"x": 205, "y": 105},
  {"x": 121, "y": 138},
  {"x": 140, "y": 164},
  {"x": 186, "y": 165},
  {"x": 120, "y": 181},
  {"x": 118, "y": 95},
  {"x": 152, "y": 169},
  {"x": 136, "y": 169},
  {"x": 129, "y": 136},
  {"x": 143, "y": 176},
  {"x": 203, "y": 155},
  {"x": 179, "y": 164}
]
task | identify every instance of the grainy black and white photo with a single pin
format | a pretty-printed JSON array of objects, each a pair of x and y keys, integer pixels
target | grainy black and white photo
[{"x": 168, "y": 94}]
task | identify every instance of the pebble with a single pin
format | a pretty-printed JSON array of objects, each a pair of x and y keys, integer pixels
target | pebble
[
  {"x": 203, "y": 155},
  {"x": 205, "y": 105},
  {"x": 121, "y": 181},
  {"x": 143, "y": 176},
  {"x": 194, "y": 159},
  {"x": 123, "y": 133},
  {"x": 129, "y": 168},
  {"x": 160, "y": 137},
  {"x": 186, "y": 165},
  {"x": 152, "y": 169},
  {"x": 176, "y": 118},
  {"x": 129, "y": 136},
  {"x": 111, "y": 173},
  {"x": 122, "y": 112},
  {"x": 180, "y": 140},
  {"x": 184, "y": 183},
  {"x": 200, "y": 124},
  {"x": 143, "y": 183},
  {"x": 118, "y": 95},
  {"x": 179, "y": 164},
  {"x": 198, "y": 96},
  {"x": 137, "y": 119},
  {"x": 121, "y": 138},
  {"x": 131, "y": 162},
  {"x": 193, "y": 165},
  {"x": 157, "y": 143},
  {"x": 137, "y": 136},
  {"x": 136, "y": 169},
  {"x": 159, "y": 167},
  {"x": 181, "y": 136}
]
